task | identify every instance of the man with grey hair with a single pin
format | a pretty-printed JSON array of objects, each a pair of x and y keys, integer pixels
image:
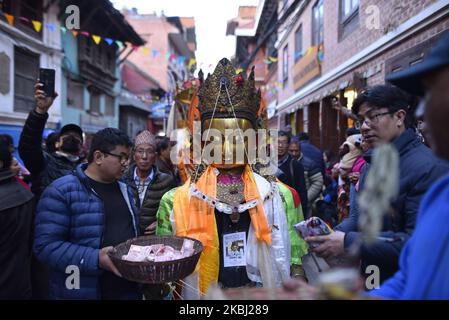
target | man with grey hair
[{"x": 147, "y": 182}]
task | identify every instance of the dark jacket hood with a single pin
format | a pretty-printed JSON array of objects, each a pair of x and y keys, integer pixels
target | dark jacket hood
[{"x": 12, "y": 194}]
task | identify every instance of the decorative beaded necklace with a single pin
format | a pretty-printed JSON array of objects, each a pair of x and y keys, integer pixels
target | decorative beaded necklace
[{"x": 227, "y": 208}]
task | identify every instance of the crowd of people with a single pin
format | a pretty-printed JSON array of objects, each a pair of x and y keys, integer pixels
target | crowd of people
[
  {"x": 411, "y": 250},
  {"x": 385, "y": 116},
  {"x": 112, "y": 195},
  {"x": 63, "y": 207}
]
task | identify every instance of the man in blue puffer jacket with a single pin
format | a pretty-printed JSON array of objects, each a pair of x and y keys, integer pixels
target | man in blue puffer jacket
[
  {"x": 81, "y": 216},
  {"x": 424, "y": 262}
]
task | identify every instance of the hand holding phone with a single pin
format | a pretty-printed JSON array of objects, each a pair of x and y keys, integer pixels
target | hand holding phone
[
  {"x": 47, "y": 78},
  {"x": 44, "y": 93}
]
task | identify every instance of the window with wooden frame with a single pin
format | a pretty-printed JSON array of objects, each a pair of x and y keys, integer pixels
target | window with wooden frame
[
  {"x": 318, "y": 23},
  {"x": 26, "y": 71},
  {"x": 349, "y": 17},
  {"x": 75, "y": 95},
  {"x": 94, "y": 106},
  {"x": 101, "y": 56},
  {"x": 109, "y": 105},
  {"x": 285, "y": 64},
  {"x": 298, "y": 43}
]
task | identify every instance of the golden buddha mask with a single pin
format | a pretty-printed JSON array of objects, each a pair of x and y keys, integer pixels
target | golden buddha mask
[{"x": 227, "y": 142}]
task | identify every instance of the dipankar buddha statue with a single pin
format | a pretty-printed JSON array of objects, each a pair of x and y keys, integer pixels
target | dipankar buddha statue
[{"x": 243, "y": 218}]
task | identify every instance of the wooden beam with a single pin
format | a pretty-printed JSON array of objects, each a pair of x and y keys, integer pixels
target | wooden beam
[{"x": 92, "y": 12}]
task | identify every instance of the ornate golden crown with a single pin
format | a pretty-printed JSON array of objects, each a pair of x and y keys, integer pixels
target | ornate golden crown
[
  {"x": 185, "y": 93},
  {"x": 231, "y": 90}
]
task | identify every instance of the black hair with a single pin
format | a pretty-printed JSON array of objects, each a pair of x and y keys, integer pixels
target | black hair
[
  {"x": 285, "y": 134},
  {"x": 50, "y": 142},
  {"x": 352, "y": 131},
  {"x": 8, "y": 140},
  {"x": 162, "y": 145},
  {"x": 303, "y": 136},
  {"x": 330, "y": 155},
  {"x": 5, "y": 153},
  {"x": 389, "y": 97},
  {"x": 295, "y": 139},
  {"x": 107, "y": 140}
]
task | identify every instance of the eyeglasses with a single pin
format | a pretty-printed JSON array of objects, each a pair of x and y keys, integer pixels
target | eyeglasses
[
  {"x": 149, "y": 152},
  {"x": 122, "y": 158},
  {"x": 374, "y": 119}
]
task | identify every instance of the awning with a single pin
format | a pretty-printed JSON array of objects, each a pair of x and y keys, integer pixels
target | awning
[
  {"x": 133, "y": 102},
  {"x": 101, "y": 13}
]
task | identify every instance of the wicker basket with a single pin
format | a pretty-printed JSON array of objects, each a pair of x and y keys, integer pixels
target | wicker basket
[{"x": 155, "y": 272}]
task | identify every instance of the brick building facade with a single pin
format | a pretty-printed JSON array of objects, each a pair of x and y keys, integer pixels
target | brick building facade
[{"x": 373, "y": 39}]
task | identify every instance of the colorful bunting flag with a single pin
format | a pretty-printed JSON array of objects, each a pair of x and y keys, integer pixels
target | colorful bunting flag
[
  {"x": 50, "y": 27},
  {"x": 9, "y": 18},
  {"x": 192, "y": 61},
  {"x": 96, "y": 38},
  {"x": 320, "y": 56},
  {"x": 119, "y": 44},
  {"x": 37, "y": 25}
]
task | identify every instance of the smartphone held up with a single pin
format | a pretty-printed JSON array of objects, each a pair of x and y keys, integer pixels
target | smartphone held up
[{"x": 47, "y": 78}]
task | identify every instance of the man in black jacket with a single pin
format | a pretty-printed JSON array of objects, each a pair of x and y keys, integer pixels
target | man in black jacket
[
  {"x": 46, "y": 167},
  {"x": 292, "y": 170},
  {"x": 16, "y": 217},
  {"x": 149, "y": 184},
  {"x": 163, "y": 161},
  {"x": 312, "y": 172},
  {"x": 311, "y": 151},
  {"x": 385, "y": 116}
]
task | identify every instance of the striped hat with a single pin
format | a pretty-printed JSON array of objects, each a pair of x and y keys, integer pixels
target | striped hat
[{"x": 145, "y": 137}]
